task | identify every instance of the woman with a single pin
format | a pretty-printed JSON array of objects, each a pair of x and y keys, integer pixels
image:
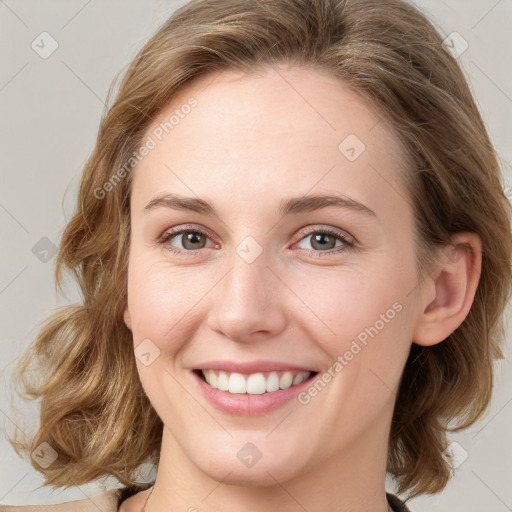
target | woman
[{"x": 277, "y": 354}]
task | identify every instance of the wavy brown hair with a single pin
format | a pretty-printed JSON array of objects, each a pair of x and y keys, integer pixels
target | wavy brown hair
[{"x": 93, "y": 410}]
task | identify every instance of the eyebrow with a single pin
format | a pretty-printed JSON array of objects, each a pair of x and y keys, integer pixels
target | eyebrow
[{"x": 294, "y": 205}]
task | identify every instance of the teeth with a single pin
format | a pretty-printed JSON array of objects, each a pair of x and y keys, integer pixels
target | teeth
[
  {"x": 237, "y": 383},
  {"x": 286, "y": 380},
  {"x": 222, "y": 381},
  {"x": 298, "y": 379},
  {"x": 254, "y": 384},
  {"x": 272, "y": 382},
  {"x": 213, "y": 379}
]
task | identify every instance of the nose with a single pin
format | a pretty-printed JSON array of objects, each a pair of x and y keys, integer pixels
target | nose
[{"x": 249, "y": 303}]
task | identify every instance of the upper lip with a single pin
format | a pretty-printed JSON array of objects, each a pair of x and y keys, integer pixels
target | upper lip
[{"x": 251, "y": 367}]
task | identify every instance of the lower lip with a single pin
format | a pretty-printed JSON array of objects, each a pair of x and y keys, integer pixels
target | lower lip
[{"x": 250, "y": 405}]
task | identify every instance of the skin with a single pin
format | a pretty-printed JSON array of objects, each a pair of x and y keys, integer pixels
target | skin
[{"x": 274, "y": 135}]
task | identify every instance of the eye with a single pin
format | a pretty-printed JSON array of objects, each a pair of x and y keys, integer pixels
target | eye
[
  {"x": 191, "y": 238},
  {"x": 324, "y": 241}
]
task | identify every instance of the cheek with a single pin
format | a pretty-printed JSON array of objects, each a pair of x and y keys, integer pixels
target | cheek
[
  {"x": 343, "y": 304},
  {"x": 146, "y": 300},
  {"x": 361, "y": 316},
  {"x": 161, "y": 301}
]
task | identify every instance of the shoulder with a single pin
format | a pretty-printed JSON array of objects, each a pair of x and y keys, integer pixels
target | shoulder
[{"x": 106, "y": 502}]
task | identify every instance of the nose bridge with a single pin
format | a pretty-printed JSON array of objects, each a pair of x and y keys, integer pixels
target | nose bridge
[
  {"x": 249, "y": 299},
  {"x": 249, "y": 277}
]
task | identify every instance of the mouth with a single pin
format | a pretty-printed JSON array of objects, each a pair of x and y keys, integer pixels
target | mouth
[{"x": 255, "y": 383}]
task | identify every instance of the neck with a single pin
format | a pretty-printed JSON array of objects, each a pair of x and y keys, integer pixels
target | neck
[{"x": 353, "y": 480}]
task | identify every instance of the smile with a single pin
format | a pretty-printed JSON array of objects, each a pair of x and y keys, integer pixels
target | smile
[{"x": 255, "y": 383}]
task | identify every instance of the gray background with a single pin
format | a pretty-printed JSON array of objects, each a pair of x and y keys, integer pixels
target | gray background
[{"x": 50, "y": 113}]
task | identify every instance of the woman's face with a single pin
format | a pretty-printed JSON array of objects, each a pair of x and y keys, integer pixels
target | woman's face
[{"x": 258, "y": 288}]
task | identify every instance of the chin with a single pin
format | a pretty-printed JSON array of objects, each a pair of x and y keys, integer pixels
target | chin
[
  {"x": 263, "y": 473},
  {"x": 254, "y": 478}
]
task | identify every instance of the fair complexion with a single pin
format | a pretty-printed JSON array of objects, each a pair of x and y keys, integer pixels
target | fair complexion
[{"x": 251, "y": 143}]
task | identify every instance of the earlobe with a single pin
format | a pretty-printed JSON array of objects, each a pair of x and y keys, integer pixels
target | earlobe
[
  {"x": 127, "y": 318},
  {"x": 455, "y": 284}
]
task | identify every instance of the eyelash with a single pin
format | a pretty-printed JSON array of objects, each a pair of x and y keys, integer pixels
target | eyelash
[{"x": 349, "y": 243}]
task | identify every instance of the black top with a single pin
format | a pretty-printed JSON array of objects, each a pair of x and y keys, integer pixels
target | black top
[
  {"x": 126, "y": 492},
  {"x": 394, "y": 501}
]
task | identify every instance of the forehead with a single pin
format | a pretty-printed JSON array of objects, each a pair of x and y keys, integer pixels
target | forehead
[{"x": 271, "y": 134}]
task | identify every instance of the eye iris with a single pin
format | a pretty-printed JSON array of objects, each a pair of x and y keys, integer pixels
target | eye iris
[
  {"x": 192, "y": 238},
  {"x": 317, "y": 239}
]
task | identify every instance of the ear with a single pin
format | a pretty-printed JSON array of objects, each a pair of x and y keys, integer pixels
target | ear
[
  {"x": 453, "y": 287},
  {"x": 127, "y": 318}
]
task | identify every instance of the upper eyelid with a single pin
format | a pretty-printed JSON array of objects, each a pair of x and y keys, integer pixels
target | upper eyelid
[{"x": 181, "y": 229}]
